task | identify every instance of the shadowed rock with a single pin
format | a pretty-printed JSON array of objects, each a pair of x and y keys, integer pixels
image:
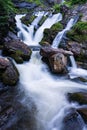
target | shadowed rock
[{"x": 8, "y": 72}]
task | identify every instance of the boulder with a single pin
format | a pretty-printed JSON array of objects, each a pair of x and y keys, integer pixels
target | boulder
[
  {"x": 48, "y": 51},
  {"x": 72, "y": 120},
  {"x": 80, "y": 97},
  {"x": 17, "y": 50},
  {"x": 8, "y": 72},
  {"x": 55, "y": 58},
  {"x": 83, "y": 112},
  {"x": 58, "y": 63}
]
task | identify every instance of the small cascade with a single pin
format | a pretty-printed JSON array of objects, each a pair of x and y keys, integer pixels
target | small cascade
[
  {"x": 60, "y": 35},
  {"x": 72, "y": 59},
  {"x": 28, "y": 36},
  {"x": 47, "y": 24}
]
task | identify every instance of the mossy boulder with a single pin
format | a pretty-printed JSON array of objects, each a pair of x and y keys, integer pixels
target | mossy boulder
[
  {"x": 17, "y": 50},
  {"x": 49, "y": 34},
  {"x": 28, "y": 19},
  {"x": 80, "y": 97},
  {"x": 8, "y": 72}
]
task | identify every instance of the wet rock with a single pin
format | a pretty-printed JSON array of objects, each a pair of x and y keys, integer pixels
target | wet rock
[
  {"x": 83, "y": 112},
  {"x": 56, "y": 58},
  {"x": 74, "y": 47},
  {"x": 48, "y": 51},
  {"x": 72, "y": 120},
  {"x": 54, "y": 1},
  {"x": 17, "y": 50},
  {"x": 8, "y": 72},
  {"x": 26, "y": 5},
  {"x": 80, "y": 97},
  {"x": 58, "y": 63}
]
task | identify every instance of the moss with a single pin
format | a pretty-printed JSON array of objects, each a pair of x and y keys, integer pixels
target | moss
[
  {"x": 17, "y": 58},
  {"x": 49, "y": 34},
  {"x": 79, "y": 97},
  {"x": 56, "y": 8},
  {"x": 57, "y": 27},
  {"x": 78, "y": 32},
  {"x": 28, "y": 20}
]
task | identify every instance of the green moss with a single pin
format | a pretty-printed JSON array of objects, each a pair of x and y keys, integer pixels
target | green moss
[
  {"x": 81, "y": 98},
  {"x": 80, "y": 27},
  {"x": 79, "y": 32},
  {"x": 17, "y": 58},
  {"x": 56, "y": 8},
  {"x": 57, "y": 27},
  {"x": 29, "y": 20}
]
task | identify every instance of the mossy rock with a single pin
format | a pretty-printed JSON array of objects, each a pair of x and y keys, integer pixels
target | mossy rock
[
  {"x": 49, "y": 34},
  {"x": 80, "y": 97},
  {"x": 28, "y": 19}
]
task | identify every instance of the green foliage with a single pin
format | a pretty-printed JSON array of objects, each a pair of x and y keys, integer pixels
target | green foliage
[
  {"x": 56, "y": 7},
  {"x": 80, "y": 27},
  {"x": 79, "y": 32}
]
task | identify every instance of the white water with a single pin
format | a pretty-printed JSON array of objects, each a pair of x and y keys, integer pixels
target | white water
[
  {"x": 28, "y": 37},
  {"x": 60, "y": 35},
  {"x": 47, "y": 91}
]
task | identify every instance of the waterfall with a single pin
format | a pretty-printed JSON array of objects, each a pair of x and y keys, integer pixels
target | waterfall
[
  {"x": 72, "y": 59},
  {"x": 28, "y": 37},
  {"x": 47, "y": 91},
  {"x": 47, "y": 24}
]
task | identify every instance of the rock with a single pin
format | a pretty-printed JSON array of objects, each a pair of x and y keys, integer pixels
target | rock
[
  {"x": 54, "y": 1},
  {"x": 80, "y": 52},
  {"x": 17, "y": 50},
  {"x": 26, "y": 5},
  {"x": 58, "y": 63},
  {"x": 80, "y": 97},
  {"x": 56, "y": 58},
  {"x": 74, "y": 47},
  {"x": 83, "y": 112},
  {"x": 72, "y": 120},
  {"x": 48, "y": 51},
  {"x": 83, "y": 11},
  {"x": 8, "y": 72}
]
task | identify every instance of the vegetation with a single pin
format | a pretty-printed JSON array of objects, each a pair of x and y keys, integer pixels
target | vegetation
[
  {"x": 6, "y": 7},
  {"x": 79, "y": 32}
]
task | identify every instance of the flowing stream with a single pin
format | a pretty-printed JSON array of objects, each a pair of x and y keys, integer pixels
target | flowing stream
[{"x": 47, "y": 91}]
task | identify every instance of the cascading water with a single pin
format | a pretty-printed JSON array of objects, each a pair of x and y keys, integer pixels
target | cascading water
[
  {"x": 74, "y": 71},
  {"x": 47, "y": 91}
]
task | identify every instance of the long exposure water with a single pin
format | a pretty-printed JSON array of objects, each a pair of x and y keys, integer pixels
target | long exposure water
[{"x": 47, "y": 91}]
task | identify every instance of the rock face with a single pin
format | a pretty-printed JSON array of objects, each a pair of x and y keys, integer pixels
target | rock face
[
  {"x": 56, "y": 58},
  {"x": 72, "y": 120},
  {"x": 17, "y": 50},
  {"x": 8, "y": 72},
  {"x": 58, "y": 63},
  {"x": 83, "y": 112}
]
